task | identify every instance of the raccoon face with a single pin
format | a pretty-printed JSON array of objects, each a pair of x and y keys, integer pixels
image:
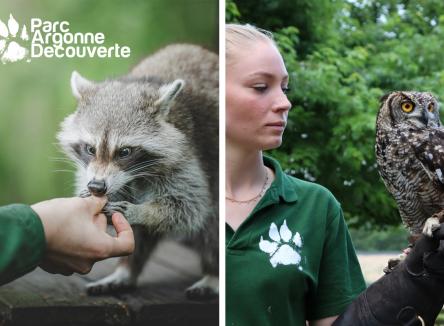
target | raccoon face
[
  {"x": 119, "y": 135},
  {"x": 110, "y": 172}
]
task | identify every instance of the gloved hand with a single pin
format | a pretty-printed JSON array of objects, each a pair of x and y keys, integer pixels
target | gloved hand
[{"x": 412, "y": 294}]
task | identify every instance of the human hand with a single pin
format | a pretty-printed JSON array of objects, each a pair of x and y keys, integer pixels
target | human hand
[{"x": 76, "y": 237}]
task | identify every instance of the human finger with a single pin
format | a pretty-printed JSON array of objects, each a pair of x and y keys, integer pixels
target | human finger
[
  {"x": 123, "y": 243},
  {"x": 95, "y": 204},
  {"x": 100, "y": 221}
]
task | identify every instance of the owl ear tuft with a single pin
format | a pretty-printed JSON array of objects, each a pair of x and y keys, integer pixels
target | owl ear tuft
[{"x": 384, "y": 97}]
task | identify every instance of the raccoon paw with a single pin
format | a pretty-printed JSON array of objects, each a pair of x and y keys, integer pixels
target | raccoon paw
[
  {"x": 117, "y": 206},
  {"x": 84, "y": 193},
  {"x": 118, "y": 281},
  {"x": 205, "y": 289}
]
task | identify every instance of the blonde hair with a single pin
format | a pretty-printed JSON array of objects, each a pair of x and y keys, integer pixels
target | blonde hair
[{"x": 237, "y": 35}]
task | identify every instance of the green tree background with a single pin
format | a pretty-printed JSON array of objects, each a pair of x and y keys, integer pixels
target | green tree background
[
  {"x": 342, "y": 56},
  {"x": 35, "y": 97}
]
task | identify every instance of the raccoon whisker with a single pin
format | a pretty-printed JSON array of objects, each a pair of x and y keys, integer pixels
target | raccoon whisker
[
  {"x": 141, "y": 173},
  {"x": 61, "y": 159},
  {"x": 127, "y": 193},
  {"x": 75, "y": 162},
  {"x": 129, "y": 187},
  {"x": 71, "y": 164},
  {"x": 143, "y": 165},
  {"x": 79, "y": 162},
  {"x": 68, "y": 159},
  {"x": 139, "y": 167},
  {"x": 150, "y": 162},
  {"x": 147, "y": 176},
  {"x": 70, "y": 171}
]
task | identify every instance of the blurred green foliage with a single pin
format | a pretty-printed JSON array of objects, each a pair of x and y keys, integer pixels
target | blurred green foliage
[
  {"x": 35, "y": 97},
  {"x": 392, "y": 238},
  {"x": 342, "y": 56}
]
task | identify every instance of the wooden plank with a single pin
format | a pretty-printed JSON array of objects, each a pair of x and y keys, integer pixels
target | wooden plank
[{"x": 40, "y": 298}]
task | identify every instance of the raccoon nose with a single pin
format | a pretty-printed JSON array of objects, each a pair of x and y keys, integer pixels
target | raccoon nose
[{"x": 97, "y": 187}]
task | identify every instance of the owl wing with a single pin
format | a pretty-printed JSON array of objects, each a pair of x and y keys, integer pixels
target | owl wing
[{"x": 428, "y": 146}]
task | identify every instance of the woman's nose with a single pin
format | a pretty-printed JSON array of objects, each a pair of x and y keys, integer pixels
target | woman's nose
[{"x": 282, "y": 103}]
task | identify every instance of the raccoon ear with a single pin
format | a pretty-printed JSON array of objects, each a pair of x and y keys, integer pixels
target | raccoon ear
[
  {"x": 168, "y": 93},
  {"x": 79, "y": 85}
]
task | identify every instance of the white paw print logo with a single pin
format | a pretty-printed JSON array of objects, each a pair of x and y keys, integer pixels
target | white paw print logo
[
  {"x": 284, "y": 247},
  {"x": 10, "y": 50}
]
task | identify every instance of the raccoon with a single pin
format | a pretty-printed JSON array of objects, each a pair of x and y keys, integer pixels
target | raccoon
[{"x": 149, "y": 142}]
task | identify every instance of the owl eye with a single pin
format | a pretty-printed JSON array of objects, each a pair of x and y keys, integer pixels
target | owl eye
[
  {"x": 431, "y": 107},
  {"x": 407, "y": 107}
]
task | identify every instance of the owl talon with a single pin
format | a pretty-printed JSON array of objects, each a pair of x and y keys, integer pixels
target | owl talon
[{"x": 431, "y": 224}]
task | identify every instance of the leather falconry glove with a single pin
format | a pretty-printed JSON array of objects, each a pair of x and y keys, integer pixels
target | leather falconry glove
[{"x": 412, "y": 294}]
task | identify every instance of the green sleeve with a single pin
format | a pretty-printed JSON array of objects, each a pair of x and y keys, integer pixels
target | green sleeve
[
  {"x": 340, "y": 277},
  {"x": 22, "y": 241}
]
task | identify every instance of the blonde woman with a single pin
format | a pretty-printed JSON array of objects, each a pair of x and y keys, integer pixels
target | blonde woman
[{"x": 289, "y": 257}]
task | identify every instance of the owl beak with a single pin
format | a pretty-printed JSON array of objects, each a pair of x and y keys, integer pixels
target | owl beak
[
  {"x": 424, "y": 118},
  {"x": 430, "y": 121}
]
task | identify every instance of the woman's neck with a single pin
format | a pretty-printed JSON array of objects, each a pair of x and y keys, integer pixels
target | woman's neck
[{"x": 245, "y": 172}]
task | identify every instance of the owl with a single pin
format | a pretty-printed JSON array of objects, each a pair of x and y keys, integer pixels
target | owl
[{"x": 410, "y": 157}]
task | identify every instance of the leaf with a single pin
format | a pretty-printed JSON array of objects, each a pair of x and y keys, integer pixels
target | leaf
[
  {"x": 274, "y": 233},
  {"x": 268, "y": 246},
  {"x": 13, "y": 26},
  {"x": 285, "y": 232}
]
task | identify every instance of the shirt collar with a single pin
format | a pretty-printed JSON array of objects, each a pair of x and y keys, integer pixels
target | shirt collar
[{"x": 281, "y": 186}]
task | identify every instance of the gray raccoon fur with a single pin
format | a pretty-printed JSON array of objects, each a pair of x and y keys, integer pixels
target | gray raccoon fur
[{"x": 151, "y": 139}]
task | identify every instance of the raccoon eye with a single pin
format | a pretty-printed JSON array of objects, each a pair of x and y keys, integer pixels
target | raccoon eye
[
  {"x": 124, "y": 152},
  {"x": 90, "y": 150}
]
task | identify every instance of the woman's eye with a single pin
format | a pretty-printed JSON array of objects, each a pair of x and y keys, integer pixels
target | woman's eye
[
  {"x": 90, "y": 150},
  {"x": 260, "y": 88},
  {"x": 124, "y": 152},
  {"x": 286, "y": 90}
]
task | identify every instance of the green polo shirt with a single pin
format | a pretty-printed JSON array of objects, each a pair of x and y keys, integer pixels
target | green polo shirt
[{"x": 292, "y": 259}]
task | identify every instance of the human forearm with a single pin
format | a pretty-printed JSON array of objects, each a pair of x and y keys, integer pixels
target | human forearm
[{"x": 22, "y": 241}]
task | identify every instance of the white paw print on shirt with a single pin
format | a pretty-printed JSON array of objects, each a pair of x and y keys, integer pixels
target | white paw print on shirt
[{"x": 285, "y": 248}]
